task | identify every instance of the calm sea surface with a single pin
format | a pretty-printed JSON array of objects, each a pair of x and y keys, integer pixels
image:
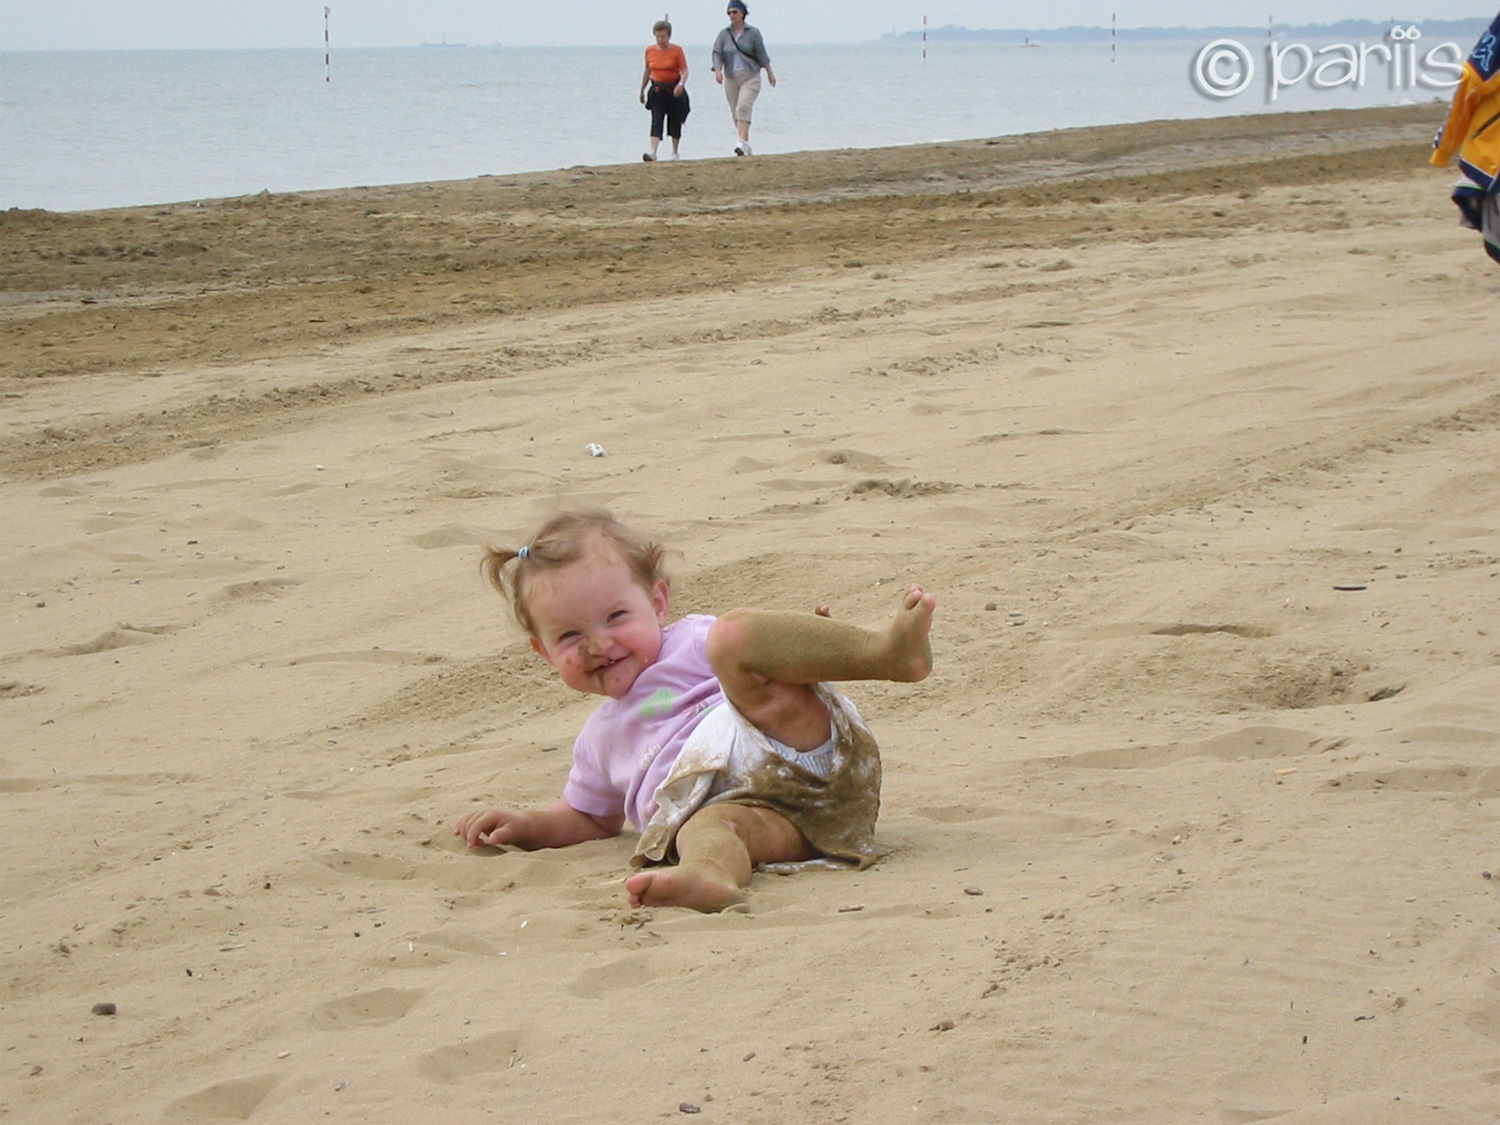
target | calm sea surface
[{"x": 83, "y": 129}]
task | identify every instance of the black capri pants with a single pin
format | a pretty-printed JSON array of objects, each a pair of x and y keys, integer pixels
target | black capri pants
[{"x": 667, "y": 109}]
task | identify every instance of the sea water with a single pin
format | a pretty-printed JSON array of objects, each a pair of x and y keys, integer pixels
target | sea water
[{"x": 87, "y": 129}]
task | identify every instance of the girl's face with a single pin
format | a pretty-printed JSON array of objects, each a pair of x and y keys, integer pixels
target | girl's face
[{"x": 597, "y": 625}]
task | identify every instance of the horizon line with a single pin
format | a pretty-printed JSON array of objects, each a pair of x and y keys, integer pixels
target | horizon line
[{"x": 1176, "y": 32}]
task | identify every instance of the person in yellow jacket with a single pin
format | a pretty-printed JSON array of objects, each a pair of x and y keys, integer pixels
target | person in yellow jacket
[{"x": 1472, "y": 131}]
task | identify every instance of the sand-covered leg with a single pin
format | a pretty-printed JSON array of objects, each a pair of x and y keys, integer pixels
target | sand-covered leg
[
  {"x": 769, "y": 662},
  {"x": 719, "y": 846},
  {"x": 800, "y": 648}
]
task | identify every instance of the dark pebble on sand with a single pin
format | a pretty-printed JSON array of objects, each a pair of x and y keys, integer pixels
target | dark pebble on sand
[
  {"x": 688, "y": 1107},
  {"x": 105, "y": 1008}
]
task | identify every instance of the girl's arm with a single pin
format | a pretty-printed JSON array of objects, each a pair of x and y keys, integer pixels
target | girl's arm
[
  {"x": 556, "y": 827},
  {"x": 645, "y": 81}
]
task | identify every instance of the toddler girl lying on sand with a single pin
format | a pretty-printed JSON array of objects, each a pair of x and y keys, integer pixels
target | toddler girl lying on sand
[{"x": 721, "y": 741}]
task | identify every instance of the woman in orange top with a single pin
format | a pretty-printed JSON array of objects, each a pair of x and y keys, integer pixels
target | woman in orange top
[{"x": 664, "y": 89}]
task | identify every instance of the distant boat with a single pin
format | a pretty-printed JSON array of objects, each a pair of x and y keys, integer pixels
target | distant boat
[
  {"x": 1028, "y": 43},
  {"x": 444, "y": 43}
]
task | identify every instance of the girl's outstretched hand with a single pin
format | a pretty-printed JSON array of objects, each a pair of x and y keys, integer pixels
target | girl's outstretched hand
[
  {"x": 495, "y": 827},
  {"x": 558, "y": 827}
]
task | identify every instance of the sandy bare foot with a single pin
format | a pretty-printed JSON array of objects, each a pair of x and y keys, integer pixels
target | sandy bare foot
[
  {"x": 682, "y": 886},
  {"x": 909, "y": 633}
]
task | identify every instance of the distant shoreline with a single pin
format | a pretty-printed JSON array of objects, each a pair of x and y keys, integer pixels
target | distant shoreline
[{"x": 1463, "y": 29}]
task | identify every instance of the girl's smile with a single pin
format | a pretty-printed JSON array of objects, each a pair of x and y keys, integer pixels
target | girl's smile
[{"x": 596, "y": 624}]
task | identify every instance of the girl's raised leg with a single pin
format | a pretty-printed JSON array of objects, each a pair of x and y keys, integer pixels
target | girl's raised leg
[{"x": 769, "y": 661}]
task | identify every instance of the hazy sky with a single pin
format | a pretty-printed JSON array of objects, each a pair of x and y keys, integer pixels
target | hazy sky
[{"x": 101, "y": 24}]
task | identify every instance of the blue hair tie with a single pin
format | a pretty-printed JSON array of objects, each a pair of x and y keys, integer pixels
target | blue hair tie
[{"x": 524, "y": 552}]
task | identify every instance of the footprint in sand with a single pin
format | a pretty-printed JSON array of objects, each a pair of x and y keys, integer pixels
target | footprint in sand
[
  {"x": 1474, "y": 782},
  {"x": 484, "y": 1055},
  {"x": 228, "y": 521},
  {"x": 125, "y": 784},
  {"x": 369, "y": 656},
  {"x": 234, "y": 1100},
  {"x": 120, "y": 637},
  {"x": 376, "y": 1008},
  {"x": 903, "y": 489},
  {"x": 453, "y": 535},
  {"x": 1250, "y": 743},
  {"x": 260, "y": 587},
  {"x": 1254, "y": 632},
  {"x": 448, "y": 875},
  {"x": 1176, "y": 629},
  {"x": 627, "y": 972},
  {"x": 1012, "y": 825},
  {"x": 458, "y": 942},
  {"x": 956, "y": 814},
  {"x": 1485, "y": 1021},
  {"x": 27, "y": 784},
  {"x": 366, "y": 866},
  {"x": 857, "y": 460},
  {"x": 752, "y": 465},
  {"x": 790, "y": 484},
  {"x": 98, "y": 525}
]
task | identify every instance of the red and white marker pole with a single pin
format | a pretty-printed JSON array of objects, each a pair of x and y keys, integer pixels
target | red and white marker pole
[{"x": 327, "y": 68}]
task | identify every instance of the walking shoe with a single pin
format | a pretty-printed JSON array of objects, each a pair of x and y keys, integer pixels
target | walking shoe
[
  {"x": 648, "y": 157},
  {"x": 739, "y": 150},
  {"x": 675, "y": 156}
]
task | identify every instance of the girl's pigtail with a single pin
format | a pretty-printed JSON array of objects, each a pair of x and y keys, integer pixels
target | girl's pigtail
[
  {"x": 492, "y": 566},
  {"x": 511, "y": 586}
]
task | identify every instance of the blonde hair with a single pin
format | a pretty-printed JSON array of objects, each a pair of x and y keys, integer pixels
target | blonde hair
[{"x": 566, "y": 538}]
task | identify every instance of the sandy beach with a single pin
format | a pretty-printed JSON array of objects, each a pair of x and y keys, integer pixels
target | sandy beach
[{"x": 1192, "y": 426}]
